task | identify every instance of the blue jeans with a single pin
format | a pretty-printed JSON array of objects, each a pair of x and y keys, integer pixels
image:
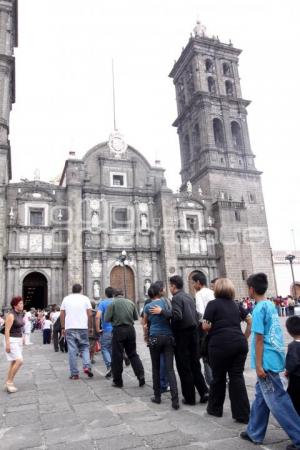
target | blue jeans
[
  {"x": 271, "y": 397},
  {"x": 105, "y": 341},
  {"x": 78, "y": 342}
]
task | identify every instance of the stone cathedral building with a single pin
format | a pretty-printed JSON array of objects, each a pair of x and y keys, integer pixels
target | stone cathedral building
[{"x": 111, "y": 200}]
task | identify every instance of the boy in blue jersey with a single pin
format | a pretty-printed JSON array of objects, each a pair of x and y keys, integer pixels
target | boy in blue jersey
[
  {"x": 268, "y": 358},
  {"x": 106, "y": 335}
]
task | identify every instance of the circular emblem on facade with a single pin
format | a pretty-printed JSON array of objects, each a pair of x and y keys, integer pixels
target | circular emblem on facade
[
  {"x": 117, "y": 143},
  {"x": 172, "y": 270}
]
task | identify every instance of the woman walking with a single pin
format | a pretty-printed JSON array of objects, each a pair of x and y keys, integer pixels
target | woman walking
[
  {"x": 158, "y": 334},
  {"x": 14, "y": 341},
  {"x": 227, "y": 352}
]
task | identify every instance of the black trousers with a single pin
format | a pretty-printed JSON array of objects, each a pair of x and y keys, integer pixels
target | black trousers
[
  {"x": 46, "y": 336},
  {"x": 58, "y": 342},
  {"x": 188, "y": 364},
  {"x": 157, "y": 346},
  {"x": 229, "y": 359},
  {"x": 294, "y": 391},
  {"x": 124, "y": 338}
]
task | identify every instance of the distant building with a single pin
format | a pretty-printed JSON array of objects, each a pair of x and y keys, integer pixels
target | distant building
[
  {"x": 283, "y": 273},
  {"x": 113, "y": 200}
]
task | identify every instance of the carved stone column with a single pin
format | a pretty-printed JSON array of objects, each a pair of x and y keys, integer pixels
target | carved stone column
[
  {"x": 87, "y": 273},
  {"x": 154, "y": 267},
  {"x": 139, "y": 279},
  {"x": 9, "y": 285},
  {"x": 17, "y": 287},
  {"x": 137, "y": 222},
  {"x": 53, "y": 295},
  {"x": 105, "y": 280},
  {"x": 152, "y": 236},
  {"x": 101, "y": 164},
  {"x": 60, "y": 285}
]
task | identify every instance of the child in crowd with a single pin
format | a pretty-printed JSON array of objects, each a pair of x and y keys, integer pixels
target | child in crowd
[
  {"x": 268, "y": 358},
  {"x": 292, "y": 363},
  {"x": 47, "y": 327}
]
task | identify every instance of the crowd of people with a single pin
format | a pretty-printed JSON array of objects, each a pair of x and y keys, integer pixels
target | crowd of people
[{"x": 189, "y": 332}]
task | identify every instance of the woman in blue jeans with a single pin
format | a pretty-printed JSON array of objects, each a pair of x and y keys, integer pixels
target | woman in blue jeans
[{"x": 159, "y": 336}]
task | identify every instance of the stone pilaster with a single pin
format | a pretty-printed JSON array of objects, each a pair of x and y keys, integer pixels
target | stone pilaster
[{"x": 74, "y": 181}]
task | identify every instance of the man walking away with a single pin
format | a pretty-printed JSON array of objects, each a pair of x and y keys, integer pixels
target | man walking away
[
  {"x": 203, "y": 296},
  {"x": 268, "y": 358},
  {"x": 122, "y": 313},
  {"x": 185, "y": 326},
  {"x": 106, "y": 335},
  {"x": 74, "y": 313}
]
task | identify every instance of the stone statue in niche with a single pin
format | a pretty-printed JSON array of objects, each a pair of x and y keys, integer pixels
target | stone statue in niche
[
  {"x": 146, "y": 287},
  {"x": 3, "y": 135},
  {"x": 144, "y": 222},
  {"x": 189, "y": 188},
  {"x": 95, "y": 220},
  {"x": 96, "y": 290}
]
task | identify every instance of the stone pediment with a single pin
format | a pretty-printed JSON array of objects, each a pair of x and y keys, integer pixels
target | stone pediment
[
  {"x": 36, "y": 193},
  {"x": 189, "y": 203}
]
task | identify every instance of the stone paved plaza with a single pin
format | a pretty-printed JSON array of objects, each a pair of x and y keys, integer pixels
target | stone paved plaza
[{"x": 52, "y": 412}]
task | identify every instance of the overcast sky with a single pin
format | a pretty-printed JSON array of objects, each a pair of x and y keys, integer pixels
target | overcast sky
[{"x": 64, "y": 87}]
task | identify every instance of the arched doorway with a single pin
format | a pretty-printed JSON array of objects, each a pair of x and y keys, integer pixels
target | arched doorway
[
  {"x": 35, "y": 291},
  {"x": 191, "y": 289},
  {"x": 121, "y": 276}
]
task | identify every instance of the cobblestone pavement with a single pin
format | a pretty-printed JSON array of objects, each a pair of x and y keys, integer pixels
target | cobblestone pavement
[{"x": 52, "y": 412}]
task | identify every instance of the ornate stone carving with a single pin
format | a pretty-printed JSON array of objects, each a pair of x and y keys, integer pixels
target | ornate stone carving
[
  {"x": 146, "y": 268},
  {"x": 95, "y": 204},
  {"x": 48, "y": 241},
  {"x": 143, "y": 207},
  {"x": 36, "y": 243},
  {"x": 96, "y": 268},
  {"x": 23, "y": 243}
]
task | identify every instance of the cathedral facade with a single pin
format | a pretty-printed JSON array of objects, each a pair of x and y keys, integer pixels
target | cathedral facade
[{"x": 112, "y": 220}]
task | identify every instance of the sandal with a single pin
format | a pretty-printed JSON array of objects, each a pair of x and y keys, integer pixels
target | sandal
[{"x": 10, "y": 388}]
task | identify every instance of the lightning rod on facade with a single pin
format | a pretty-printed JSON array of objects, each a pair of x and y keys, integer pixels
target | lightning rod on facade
[{"x": 114, "y": 93}]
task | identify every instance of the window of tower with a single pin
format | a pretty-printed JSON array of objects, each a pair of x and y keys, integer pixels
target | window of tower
[
  {"x": 237, "y": 216},
  {"x": 218, "y": 133},
  {"x": 211, "y": 85},
  {"x": 226, "y": 69},
  {"x": 36, "y": 217},
  {"x": 209, "y": 67},
  {"x": 196, "y": 135},
  {"x": 186, "y": 149},
  {"x": 229, "y": 87},
  {"x": 236, "y": 135},
  {"x": 192, "y": 223}
]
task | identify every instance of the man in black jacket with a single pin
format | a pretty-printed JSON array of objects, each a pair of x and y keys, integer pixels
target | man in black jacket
[{"x": 185, "y": 328}]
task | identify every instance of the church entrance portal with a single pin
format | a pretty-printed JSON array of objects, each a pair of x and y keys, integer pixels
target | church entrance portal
[
  {"x": 35, "y": 291},
  {"x": 118, "y": 279}
]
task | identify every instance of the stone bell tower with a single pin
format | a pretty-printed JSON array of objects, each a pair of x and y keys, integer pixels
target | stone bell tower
[
  {"x": 216, "y": 155},
  {"x": 8, "y": 40}
]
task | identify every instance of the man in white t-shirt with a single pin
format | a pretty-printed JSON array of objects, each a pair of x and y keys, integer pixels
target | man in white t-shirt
[
  {"x": 74, "y": 313},
  {"x": 203, "y": 296}
]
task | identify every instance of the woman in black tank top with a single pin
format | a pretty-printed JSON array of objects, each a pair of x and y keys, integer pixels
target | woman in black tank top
[{"x": 14, "y": 341}]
